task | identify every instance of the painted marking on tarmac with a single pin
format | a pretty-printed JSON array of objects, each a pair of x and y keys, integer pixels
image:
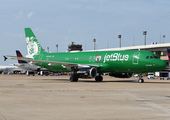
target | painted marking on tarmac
[
  {"x": 160, "y": 107},
  {"x": 103, "y": 90},
  {"x": 19, "y": 86},
  {"x": 82, "y": 90},
  {"x": 8, "y": 92},
  {"x": 48, "y": 90},
  {"x": 61, "y": 90}
]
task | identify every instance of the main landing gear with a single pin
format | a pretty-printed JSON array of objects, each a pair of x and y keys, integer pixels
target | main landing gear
[
  {"x": 73, "y": 79},
  {"x": 98, "y": 78},
  {"x": 140, "y": 78}
]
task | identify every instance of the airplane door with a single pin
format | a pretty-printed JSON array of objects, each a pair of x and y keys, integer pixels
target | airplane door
[{"x": 136, "y": 57}]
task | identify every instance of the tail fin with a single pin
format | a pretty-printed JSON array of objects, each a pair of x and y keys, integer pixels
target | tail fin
[
  {"x": 20, "y": 55},
  {"x": 33, "y": 46},
  {"x": 168, "y": 51}
]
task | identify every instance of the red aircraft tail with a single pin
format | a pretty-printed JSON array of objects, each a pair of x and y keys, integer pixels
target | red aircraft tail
[{"x": 168, "y": 51}]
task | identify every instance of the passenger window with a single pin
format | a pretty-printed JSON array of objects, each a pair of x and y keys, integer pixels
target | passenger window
[
  {"x": 151, "y": 57},
  {"x": 147, "y": 57}
]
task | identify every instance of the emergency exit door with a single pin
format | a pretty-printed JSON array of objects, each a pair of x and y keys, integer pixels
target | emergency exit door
[{"x": 136, "y": 57}]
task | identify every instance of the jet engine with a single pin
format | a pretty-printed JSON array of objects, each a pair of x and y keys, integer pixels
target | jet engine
[
  {"x": 85, "y": 73},
  {"x": 121, "y": 75}
]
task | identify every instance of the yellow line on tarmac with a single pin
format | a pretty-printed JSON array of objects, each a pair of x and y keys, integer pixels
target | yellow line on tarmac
[
  {"x": 7, "y": 92},
  {"x": 82, "y": 90},
  {"x": 61, "y": 90},
  {"x": 104, "y": 90}
]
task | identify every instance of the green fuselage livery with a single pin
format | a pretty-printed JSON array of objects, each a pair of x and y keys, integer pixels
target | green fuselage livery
[
  {"x": 108, "y": 61},
  {"x": 92, "y": 64}
]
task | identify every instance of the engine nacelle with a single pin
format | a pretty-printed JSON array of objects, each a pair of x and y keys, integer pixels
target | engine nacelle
[
  {"x": 85, "y": 73},
  {"x": 121, "y": 75}
]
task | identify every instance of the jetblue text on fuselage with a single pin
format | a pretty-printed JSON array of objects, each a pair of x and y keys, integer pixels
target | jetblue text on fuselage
[{"x": 115, "y": 57}]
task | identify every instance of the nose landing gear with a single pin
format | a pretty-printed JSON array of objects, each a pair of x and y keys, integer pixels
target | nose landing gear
[{"x": 140, "y": 78}]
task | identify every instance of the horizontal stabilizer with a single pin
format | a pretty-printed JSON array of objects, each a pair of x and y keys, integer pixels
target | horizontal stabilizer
[
  {"x": 5, "y": 58},
  {"x": 31, "y": 60}
]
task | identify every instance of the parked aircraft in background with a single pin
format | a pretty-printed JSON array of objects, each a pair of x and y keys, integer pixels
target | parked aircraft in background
[
  {"x": 28, "y": 66},
  {"x": 168, "y": 51},
  {"x": 93, "y": 63},
  {"x": 24, "y": 64},
  {"x": 11, "y": 69},
  {"x": 168, "y": 64}
]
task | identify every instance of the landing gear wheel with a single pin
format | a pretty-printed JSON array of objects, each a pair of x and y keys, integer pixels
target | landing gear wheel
[
  {"x": 98, "y": 78},
  {"x": 140, "y": 80},
  {"x": 28, "y": 73},
  {"x": 73, "y": 79}
]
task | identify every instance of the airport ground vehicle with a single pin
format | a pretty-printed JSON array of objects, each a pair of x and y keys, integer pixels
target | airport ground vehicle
[
  {"x": 30, "y": 73},
  {"x": 46, "y": 73},
  {"x": 151, "y": 76},
  {"x": 163, "y": 75},
  {"x": 135, "y": 75}
]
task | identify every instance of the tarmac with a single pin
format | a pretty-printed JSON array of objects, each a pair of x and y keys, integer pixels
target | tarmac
[{"x": 56, "y": 98}]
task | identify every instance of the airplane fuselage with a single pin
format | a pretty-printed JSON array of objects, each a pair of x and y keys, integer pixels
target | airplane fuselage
[{"x": 107, "y": 61}]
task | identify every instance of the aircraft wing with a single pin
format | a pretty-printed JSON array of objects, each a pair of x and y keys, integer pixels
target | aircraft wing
[{"x": 67, "y": 65}]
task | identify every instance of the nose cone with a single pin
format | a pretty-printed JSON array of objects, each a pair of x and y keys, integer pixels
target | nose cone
[{"x": 161, "y": 65}]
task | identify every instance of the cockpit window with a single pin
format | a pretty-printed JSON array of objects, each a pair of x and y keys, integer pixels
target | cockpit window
[
  {"x": 151, "y": 57},
  {"x": 156, "y": 57}
]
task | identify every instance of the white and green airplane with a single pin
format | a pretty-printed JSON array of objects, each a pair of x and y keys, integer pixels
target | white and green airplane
[{"x": 92, "y": 64}]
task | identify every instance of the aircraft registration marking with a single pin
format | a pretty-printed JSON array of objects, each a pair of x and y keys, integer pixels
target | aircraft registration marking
[{"x": 149, "y": 65}]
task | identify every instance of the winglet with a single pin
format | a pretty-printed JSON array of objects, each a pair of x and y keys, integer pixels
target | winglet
[{"x": 18, "y": 53}]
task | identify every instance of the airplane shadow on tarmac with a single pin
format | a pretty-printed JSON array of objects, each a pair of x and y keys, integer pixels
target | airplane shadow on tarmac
[
  {"x": 158, "y": 82},
  {"x": 57, "y": 79},
  {"x": 129, "y": 81},
  {"x": 90, "y": 81},
  {"x": 106, "y": 81},
  {"x": 120, "y": 81}
]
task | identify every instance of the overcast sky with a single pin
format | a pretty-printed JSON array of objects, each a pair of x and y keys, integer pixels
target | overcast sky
[{"x": 64, "y": 21}]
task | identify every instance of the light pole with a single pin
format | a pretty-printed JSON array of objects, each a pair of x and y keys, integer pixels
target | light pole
[
  {"x": 119, "y": 36},
  {"x": 145, "y": 33},
  {"x": 57, "y": 47},
  {"x": 163, "y": 38},
  {"x": 133, "y": 40},
  {"x": 48, "y": 49},
  {"x": 94, "y": 40},
  {"x": 107, "y": 43}
]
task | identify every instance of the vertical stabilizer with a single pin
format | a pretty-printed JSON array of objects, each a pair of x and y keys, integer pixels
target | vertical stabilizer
[
  {"x": 20, "y": 55},
  {"x": 33, "y": 46},
  {"x": 168, "y": 51}
]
